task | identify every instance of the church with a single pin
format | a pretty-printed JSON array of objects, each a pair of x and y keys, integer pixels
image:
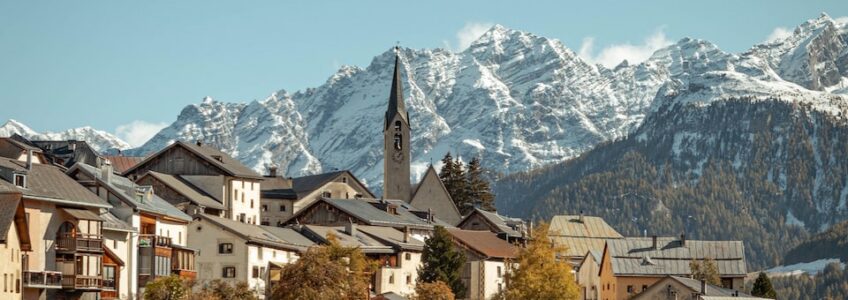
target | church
[{"x": 429, "y": 194}]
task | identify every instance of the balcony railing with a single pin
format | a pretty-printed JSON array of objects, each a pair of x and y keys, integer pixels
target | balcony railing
[
  {"x": 67, "y": 242},
  {"x": 82, "y": 282},
  {"x": 151, "y": 240},
  {"x": 42, "y": 279}
]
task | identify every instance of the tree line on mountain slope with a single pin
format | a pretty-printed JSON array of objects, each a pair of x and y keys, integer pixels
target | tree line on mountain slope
[
  {"x": 832, "y": 243},
  {"x": 749, "y": 164},
  {"x": 830, "y": 283}
]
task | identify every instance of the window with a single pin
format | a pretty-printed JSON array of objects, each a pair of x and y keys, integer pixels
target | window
[
  {"x": 242, "y": 217},
  {"x": 225, "y": 248},
  {"x": 408, "y": 256},
  {"x": 274, "y": 253},
  {"x": 229, "y": 272},
  {"x": 500, "y": 273},
  {"x": 251, "y": 203},
  {"x": 266, "y": 221},
  {"x": 326, "y": 194},
  {"x": 397, "y": 125},
  {"x": 391, "y": 278},
  {"x": 20, "y": 180},
  {"x": 629, "y": 289},
  {"x": 344, "y": 179},
  {"x": 398, "y": 141},
  {"x": 115, "y": 244},
  {"x": 242, "y": 198},
  {"x": 264, "y": 207},
  {"x": 255, "y": 272},
  {"x": 644, "y": 287},
  {"x": 408, "y": 279},
  {"x": 282, "y": 207},
  {"x": 109, "y": 277}
]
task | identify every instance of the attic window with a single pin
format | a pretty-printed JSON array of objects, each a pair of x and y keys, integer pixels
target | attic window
[
  {"x": 344, "y": 179},
  {"x": 326, "y": 195},
  {"x": 218, "y": 158},
  {"x": 398, "y": 141},
  {"x": 397, "y": 125},
  {"x": 20, "y": 180}
]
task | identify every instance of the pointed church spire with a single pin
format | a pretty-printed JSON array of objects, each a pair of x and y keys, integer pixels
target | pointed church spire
[{"x": 396, "y": 105}]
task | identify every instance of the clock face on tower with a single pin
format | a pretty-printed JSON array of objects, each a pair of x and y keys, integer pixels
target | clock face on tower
[{"x": 398, "y": 156}]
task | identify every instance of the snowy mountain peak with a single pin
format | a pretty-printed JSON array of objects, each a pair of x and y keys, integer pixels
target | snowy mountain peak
[{"x": 99, "y": 140}]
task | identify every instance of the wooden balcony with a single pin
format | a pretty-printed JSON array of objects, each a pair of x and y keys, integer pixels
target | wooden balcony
[
  {"x": 82, "y": 282},
  {"x": 42, "y": 279},
  {"x": 69, "y": 243},
  {"x": 152, "y": 240}
]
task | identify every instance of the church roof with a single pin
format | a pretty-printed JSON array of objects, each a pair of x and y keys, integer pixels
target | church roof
[
  {"x": 444, "y": 209},
  {"x": 396, "y": 105}
]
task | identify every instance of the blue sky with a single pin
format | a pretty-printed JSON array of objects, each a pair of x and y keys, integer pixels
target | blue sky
[{"x": 130, "y": 66}]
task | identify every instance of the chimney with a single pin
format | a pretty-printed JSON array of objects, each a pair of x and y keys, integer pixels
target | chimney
[
  {"x": 429, "y": 215},
  {"x": 703, "y": 287},
  {"x": 350, "y": 228},
  {"x": 654, "y": 241},
  {"x": 199, "y": 143},
  {"x": 581, "y": 216},
  {"x": 272, "y": 171},
  {"x": 406, "y": 234},
  {"x": 683, "y": 240},
  {"x": 29, "y": 160},
  {"x": 106, "y": 171}
]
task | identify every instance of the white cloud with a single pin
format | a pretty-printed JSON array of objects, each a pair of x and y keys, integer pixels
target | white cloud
[
  {"x": 613, "y": 55},
  {"x": 841, "y": 20},
  {"x": 467, "y": 35},
  {"x": 778, "y": 33},
  {"x": 137, "y": 132}
]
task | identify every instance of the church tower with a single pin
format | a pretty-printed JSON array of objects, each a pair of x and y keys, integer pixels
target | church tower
[{"x": 396, "y": 136}]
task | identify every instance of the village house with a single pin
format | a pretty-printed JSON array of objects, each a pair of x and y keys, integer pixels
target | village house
[
  {"x": 67, "y": 257},
  {"x": 587, "y": 275},
  {"x": 211, "y": 171},
  {"x": 395, "y": 214},
  {"x": 398, "y": 253},
  {"x": 282, "y": 197},
  {"x": 182, "y": 194},
  {"x": 14, "y": 237},
  {"x": 234, "y": 251},
  {"x": 488, "y": 259},
  {"x": 119, "y": 269},
  {"x": 513, "y": 230},
  {"x": 682, "y": 288},
  {"x": 630, "y": 265},
  {"x": 162, "y": 235},
  {"x": 580, "y": 234},
  {"x": 65, "y": 153}
]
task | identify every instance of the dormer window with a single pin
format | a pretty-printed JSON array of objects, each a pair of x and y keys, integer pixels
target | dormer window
[
  {"x": 218, "y": 158},
  {"x": 397, "y": 125},
  {"x": 326, "y": 195},
  {"x": 20, "y": 180},
  {"x": 398, "y": 141}
]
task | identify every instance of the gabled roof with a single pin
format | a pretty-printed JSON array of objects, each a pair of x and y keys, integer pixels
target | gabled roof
[
  {"x": 360, "y": 239},
  {"x": 393, "y": 237},
  {"x": 694, "y": 286},
  {"x": 12, "y": 211},
  {"x": 227, "y": 164},
  {"x": 502, "y": 223},
  {"x": 125, "y": 189},
  {"x": 447, "y": 208},
  {"x": 10, "y": 145},
  {"x": 279, "y": 188},
  {"x": 485, "y": 243},
  {"x": 186, "y": 189},
  {"x": 260, "y": 235},
  {"x": 112, "y": 222},
  {"x": 581, "y": 234},
  {"x": 372, "y": 212},
  {"x": 49, "y": 183},
  {"x": 637, "y": 256},
  {"x": 122, "y": 163}
]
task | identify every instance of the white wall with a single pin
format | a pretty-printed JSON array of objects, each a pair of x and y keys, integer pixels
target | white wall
[
  {"x": 492, "y": 278},
  {"x": 10, "y": 266},
  {"x": 405, "y": 268},
  {"x": 118, "y": 242},
  {"x": 256, "y": 260},
  {"x": 175, "y": 230},
  {"x": 242, "y": 194}
]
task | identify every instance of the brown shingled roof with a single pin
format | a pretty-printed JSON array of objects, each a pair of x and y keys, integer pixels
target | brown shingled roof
[
  {"x": 48, "y": 182},
  {"x": 484, "y": 242},
  {"x": 123, "y": 163}
]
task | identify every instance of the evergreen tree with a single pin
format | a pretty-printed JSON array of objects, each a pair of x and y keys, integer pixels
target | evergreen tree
[
  {"x": 441, "y": 261},
  {"x": 479, "y": 192},
  {"x": 763, "y": 287},
  {"x": 453, "y": 177},
  {"x": 706, "y": 270},
  {"x": 540, "y": 275}
]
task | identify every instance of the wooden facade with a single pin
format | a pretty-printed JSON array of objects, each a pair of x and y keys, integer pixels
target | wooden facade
[{"x": 178, "y": 160}]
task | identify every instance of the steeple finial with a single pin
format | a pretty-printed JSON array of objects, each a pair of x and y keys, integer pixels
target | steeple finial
[{"x": 396, "y": 105}]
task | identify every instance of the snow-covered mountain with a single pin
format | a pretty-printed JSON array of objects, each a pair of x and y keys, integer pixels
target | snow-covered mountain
[
  {"x": 519, "y": 100},
  {"x": 98, "y": 139}
]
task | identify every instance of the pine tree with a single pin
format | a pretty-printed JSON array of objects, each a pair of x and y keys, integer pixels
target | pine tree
[
  {"x": 441, "y": 261},
  {"x": 763, "y": 287},
  {"x": 479, "y": 192},
  {"x": 453, "y": 177},
  {"x": 706, "y": 270},
  {"x": 540, "y": 275}
]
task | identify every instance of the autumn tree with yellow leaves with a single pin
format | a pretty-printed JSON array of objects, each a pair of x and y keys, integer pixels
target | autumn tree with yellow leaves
[{"x": 538, "y": 273}]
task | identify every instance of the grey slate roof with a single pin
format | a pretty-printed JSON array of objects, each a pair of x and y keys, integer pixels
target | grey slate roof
[
  {"x": 208, "y": 153},
  {"x": 360, "y": 239},
  {"x": 186, "y": 189},
  {"x": 580, "y": 236},
  {"x": 112, "y": 222},
  {"x": 261, "y": 235},
  {"x": 636, "y": 256},
  {"x": 49, "y": 183},
  {"x": 694, "y": 286},
  {"x": 278, "y": 187},
  {"x": 396, "y": 105},
  {"x": 126, "y": 190},
  {"x": 367, "y": 210},
  {"x": 391, "y": 236}
]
